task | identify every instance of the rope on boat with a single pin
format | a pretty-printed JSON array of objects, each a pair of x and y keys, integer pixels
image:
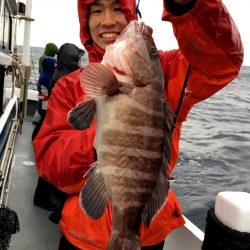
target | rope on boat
[
  {"x": 20, "y": 74},
  {"x": 16, "y": 69}
]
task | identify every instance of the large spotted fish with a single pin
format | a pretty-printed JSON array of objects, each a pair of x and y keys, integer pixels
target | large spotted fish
[{"x": 133, "y": 135}]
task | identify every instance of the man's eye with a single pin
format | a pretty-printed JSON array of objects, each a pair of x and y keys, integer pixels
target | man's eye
[
  {"x": 118, "y": 9},
  {"x": 95, "y": 11}
]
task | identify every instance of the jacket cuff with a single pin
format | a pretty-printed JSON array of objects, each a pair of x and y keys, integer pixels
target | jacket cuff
[{"x": 179, "y": 9}]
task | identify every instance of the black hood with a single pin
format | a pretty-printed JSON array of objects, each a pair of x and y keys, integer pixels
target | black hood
[{"x": 68, "y": 57}]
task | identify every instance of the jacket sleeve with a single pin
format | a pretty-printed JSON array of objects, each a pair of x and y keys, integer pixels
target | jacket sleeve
[
  {"x": 64, "y": 154},
  {"x": 209, "y": 41}
]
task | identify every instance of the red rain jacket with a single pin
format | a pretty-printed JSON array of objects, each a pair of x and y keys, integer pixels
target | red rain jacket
[{"x": 208, "y": 40}]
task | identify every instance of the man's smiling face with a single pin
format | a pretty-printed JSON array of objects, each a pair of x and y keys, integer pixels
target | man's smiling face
[{"x": 106, "y": 21}]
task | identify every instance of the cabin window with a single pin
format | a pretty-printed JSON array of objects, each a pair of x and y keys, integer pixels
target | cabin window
[{"x": 5, "y": 28}]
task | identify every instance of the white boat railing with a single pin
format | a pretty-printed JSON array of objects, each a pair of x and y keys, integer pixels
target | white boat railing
[
  {"x": 7, "y": 155},
  {"x": 188, "y": 237},
  {"x": 31, "y": 95},
  {"x": 4, "y": 117}
]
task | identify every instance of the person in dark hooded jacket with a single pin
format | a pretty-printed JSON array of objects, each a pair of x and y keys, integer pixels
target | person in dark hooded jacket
[
  {"x": 68, "y": 60},
  {"x": 69, "y": 56}
]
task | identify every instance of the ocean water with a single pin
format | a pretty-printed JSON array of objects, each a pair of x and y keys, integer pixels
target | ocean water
[{"x": 215, "y": 146}]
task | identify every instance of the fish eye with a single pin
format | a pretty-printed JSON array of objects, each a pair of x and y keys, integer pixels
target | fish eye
[{"x": 153, "y": 51}]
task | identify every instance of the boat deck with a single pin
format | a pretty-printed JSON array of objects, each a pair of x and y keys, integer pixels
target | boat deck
[{"x": 36, "y": 230}]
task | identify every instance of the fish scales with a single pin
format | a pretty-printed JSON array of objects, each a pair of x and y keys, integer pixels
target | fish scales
[
  {"x": 125, "y": 139},
  {"x": 131, "y": 152},
  {"x": 110, "y": 136},
  {"x": 127, "y": 88},
  {"x": 139, "y": 118},
  {"x": 137, "y": 164}
]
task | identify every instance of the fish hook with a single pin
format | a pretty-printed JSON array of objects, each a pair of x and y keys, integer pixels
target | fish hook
[{"x": 143, "y": 27}]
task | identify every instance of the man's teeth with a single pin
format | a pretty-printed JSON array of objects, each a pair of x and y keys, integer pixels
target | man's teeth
[{"x": 109, "y": 35}]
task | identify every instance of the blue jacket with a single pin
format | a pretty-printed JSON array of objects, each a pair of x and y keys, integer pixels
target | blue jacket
[{"x": 49, "y": 64}]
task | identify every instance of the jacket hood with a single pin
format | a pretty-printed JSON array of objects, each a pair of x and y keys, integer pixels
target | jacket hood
[
  {"x": 68, "y": 57},
  {"x": 50, "y": 49},
  {"x": 95, "y": 54}
]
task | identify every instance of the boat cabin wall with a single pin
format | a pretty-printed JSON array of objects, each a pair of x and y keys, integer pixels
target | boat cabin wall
[{"x": 8, "y": 8}]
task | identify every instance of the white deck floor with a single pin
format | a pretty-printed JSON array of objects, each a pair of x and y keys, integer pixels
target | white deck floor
[{"x": 36, "y": 231}]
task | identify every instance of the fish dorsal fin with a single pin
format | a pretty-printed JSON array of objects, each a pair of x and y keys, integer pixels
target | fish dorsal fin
[
  {"x": 82, "y": 115},
  {"x": 98, "y": 79},
  {"x": 94, "y": 197},
  {"x": 159, "y": 196}
]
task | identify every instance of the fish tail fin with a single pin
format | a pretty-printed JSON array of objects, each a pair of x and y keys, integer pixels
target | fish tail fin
[
  {"x": 118, "y": 241},
  {"x": 98, "y": 79}
]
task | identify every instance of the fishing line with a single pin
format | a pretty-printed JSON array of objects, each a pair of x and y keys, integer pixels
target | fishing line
[
  {"x": 195, "y": 180},
  {"x": 138, "y": 12}
]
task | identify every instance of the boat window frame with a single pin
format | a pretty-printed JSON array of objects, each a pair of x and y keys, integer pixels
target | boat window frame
[{"x": 7, "y": 10}]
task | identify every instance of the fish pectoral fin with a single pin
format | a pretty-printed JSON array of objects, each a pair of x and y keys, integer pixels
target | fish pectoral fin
[
  {"x": 82, "y": 115},
  {"x": 98, "y": 79},
  {"x": 157, "y": 199},
  {"x": 91, "y": 170},
  {"x": 159, "y": 195},
  {"x": 94, "y": 197}
]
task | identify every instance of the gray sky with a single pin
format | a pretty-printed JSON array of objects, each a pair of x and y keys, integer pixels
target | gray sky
[{"x": 57, "y": 21}]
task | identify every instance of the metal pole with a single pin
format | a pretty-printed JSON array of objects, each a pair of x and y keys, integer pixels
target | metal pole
[
  {"x": 26, "y": 40},
  {"x": 26, "y": 60},
  {"x": 2, "y": 75}
]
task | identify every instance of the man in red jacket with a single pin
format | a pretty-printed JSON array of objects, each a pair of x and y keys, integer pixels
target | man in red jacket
[{"x": 209, "y": 57}]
